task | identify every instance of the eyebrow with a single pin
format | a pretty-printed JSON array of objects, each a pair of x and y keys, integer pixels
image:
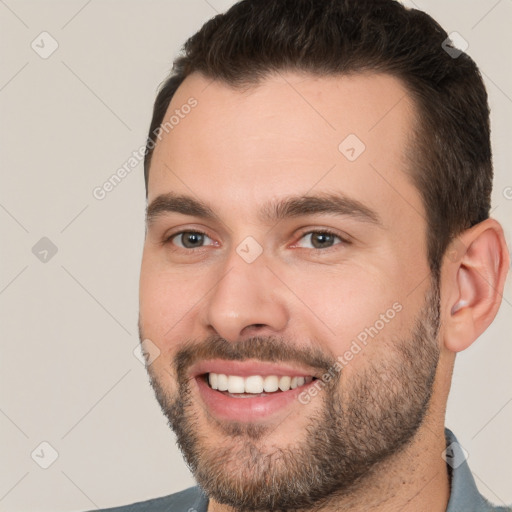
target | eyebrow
[{"x": 271, "y": 212}]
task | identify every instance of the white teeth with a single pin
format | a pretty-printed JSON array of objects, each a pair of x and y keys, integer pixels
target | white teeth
[
  {"x": 236, "y": 384},
  {"x": 254, "y": 384},
  {"x": 222, "y": 382},
  {"x": 284, "y": 383},
  {"x": 213, "y": 379},
  {"x": 271, "y": 383}
]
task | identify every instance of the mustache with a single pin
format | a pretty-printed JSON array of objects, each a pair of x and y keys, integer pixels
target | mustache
[{"x": 267, "y": 349}]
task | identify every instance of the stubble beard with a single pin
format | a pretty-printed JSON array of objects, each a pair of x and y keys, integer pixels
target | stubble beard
[{"x": 358, "y": 426}]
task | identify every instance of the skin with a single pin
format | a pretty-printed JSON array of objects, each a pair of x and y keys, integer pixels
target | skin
[{"x": 239, "y": 149}]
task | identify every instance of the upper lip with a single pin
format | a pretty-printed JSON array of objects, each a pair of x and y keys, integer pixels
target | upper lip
[{"x": 249, "y": 367}]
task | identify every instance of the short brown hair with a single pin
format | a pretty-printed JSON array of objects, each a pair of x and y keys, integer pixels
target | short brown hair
[{"x": 451, "y": 159}]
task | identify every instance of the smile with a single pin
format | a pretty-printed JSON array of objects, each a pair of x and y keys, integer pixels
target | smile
[
  {"x": 271, "y": 390},
  {"x": 254, "y": 384}
]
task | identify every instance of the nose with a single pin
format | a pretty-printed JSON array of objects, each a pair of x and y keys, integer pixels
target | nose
[{"x": 247, "y": 300}]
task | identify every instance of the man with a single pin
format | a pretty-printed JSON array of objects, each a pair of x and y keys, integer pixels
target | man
[{"x": 318, "y": 249}]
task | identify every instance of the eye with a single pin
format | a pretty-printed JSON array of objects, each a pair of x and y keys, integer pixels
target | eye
[
  {"x": 322, "y": 239},
  {"x": 189, "y": 239}
]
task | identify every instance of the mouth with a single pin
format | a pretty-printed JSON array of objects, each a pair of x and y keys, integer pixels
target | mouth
[
  {"x": 249, "y": 391},
  {"x": 254, "y": 385}
]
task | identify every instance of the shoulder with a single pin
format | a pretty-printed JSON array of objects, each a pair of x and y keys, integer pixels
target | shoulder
[
  {"x": 464, "y": 493},
  {"x": 189, "y": 500}
]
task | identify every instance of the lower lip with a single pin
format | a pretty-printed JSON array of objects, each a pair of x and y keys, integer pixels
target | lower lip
[{"x": 244, "y": 409}]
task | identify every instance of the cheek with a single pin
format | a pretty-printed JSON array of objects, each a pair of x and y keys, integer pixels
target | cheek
[
  {"x": 170, "y": 301},
  {"x": 161, "y": 307},
  {"x": 164, "y": 300},
  {"x": 343, "y": 303}
]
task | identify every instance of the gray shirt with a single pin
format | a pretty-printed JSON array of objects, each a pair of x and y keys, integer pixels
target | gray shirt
[{"x": 464, "y": 496}]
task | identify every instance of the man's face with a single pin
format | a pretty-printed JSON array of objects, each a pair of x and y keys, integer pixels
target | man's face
[{"x": 260, "y": 293}]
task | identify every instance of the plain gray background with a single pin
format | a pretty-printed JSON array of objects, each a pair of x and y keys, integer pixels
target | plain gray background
[{"x": 69, "y": 376}]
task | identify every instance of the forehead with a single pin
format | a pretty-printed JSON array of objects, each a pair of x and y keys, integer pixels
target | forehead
[{"x": 291, "y": 133}]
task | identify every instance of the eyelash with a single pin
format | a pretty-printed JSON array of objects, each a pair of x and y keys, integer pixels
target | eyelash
[{"x": 323, "y": 231}]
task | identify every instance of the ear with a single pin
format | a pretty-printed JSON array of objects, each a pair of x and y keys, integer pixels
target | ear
[{"x": 474, "y": 272}]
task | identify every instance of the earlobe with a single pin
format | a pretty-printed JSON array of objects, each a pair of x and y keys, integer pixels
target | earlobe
[{"x": 475, "y": 283}]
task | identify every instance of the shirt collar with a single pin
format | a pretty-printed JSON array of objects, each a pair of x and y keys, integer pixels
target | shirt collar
[{"x": 464, "y": 494}]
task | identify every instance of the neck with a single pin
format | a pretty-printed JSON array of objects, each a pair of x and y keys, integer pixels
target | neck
[{"x": 413, "y": 480}]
